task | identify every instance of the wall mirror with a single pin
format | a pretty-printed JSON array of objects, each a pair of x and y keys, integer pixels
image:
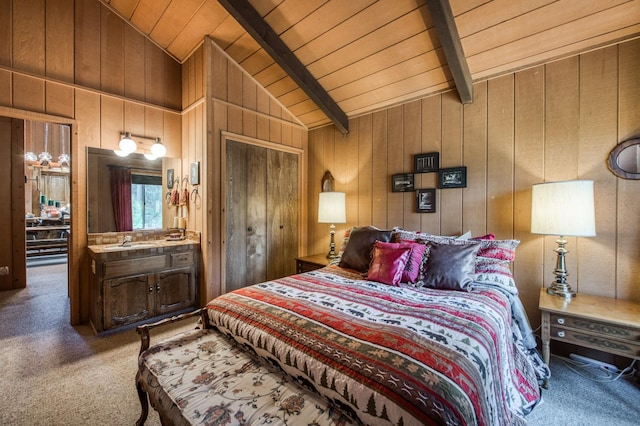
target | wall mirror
[
  {"x": 146, "y": 201},
  {"x": 624, "y": 159}
]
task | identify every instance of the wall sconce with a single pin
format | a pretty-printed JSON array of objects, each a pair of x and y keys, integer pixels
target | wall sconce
[{"x": 129, "y": 145}]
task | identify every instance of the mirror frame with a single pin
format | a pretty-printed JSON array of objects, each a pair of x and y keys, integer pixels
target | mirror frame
[{"x": 613, "y": 160}]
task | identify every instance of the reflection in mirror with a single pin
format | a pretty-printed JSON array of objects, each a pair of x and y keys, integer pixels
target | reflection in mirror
[
  {"x": 133, "y": 184},
  {"x": 624, "y": 159}
]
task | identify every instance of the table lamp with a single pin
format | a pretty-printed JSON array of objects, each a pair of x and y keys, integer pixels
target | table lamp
[
  {"x": 564, "y": 209},
  {"x": 331, "y": 209}
]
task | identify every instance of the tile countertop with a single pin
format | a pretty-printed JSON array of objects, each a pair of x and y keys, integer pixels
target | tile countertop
[{"x": 140, "y": 248}]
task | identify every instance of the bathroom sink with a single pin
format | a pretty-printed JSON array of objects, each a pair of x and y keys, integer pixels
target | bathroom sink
[{"x": 133, "y": 246}]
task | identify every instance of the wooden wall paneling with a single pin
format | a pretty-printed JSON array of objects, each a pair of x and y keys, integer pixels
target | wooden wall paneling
[
  {"x": 111, "y": 122},
  {"x": 365, "y": 169},
  {"x": 199, "y": 72},
  {"x": 395, "y": 204},
  {"x": 412, "y": 134},
  {"x": 263, "y": 125},
  {"x": 6, "y": 36},
  {"x": 134, "y": 120},
  {"x": 315, "y": 171},
  {"x": 529, "y": 124},
  {"x": 28, "y": 36},
  {"x": 111, "y": 52},
  {"x": 234, "y": 91},
  {"x": 474, "y": 215},
  {"x": 219, "y": 74},
  {"x": 451, "y": 156},
  {"x": 628, "y": 196},
  {"x": 598, "y": 121},
  {"x": 59, "y": 39},
  {"x": 216, "y": 213},
  {"x": 346, "y": 169},
  {"x": 186, "y": 78},
  {"x": 59, "y": 99},
  {"x": 190, "y": 92},
  {"x": 6, "y": 92},
  {"x": 18, "y": 267},
  {"x": 87, "y": 43},
  {"x": 431, "y": 142},
  {"x": 275, "y": 126},
  {"x": 500, "y": 161},
  {"x": 236, "y": 213},
  {"x": 249, "y": 101},
  {"x": 196, "y": 154},
  {"x": 156, "y": 81},
  {"x": 6, "y": 249},
  {"x": 87, "y": 113},
  {"x": 381, "y": 176},
  {"x": 134, "y": 64},
  {"x": 561, "y": 145},
  {"x": 329, "y": 153},
  {"x": 28, "y": 93}
]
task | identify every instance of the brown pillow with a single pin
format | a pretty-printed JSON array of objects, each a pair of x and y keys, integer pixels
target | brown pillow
[
  {"x": 357, "y": 253},
  {"x": 451, "y": 266}
]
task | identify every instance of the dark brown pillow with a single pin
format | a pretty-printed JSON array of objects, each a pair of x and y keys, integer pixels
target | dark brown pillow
[
  {"x": 451, "y": 266},
  {"x": 357, "y": 253}
]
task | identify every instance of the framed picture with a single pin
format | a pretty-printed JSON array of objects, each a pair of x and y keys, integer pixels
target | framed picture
[
  {"x": 194, "y": 175},
  {"x": 426, "y": 163},
  {"x": 454, "y": 177},
  {"x": 170, "y": 178},
  {"x": 426, "y": 200},
  {"x": 402, "y": 182}
]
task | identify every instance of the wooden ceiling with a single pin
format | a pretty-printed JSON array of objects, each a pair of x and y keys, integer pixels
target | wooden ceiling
[{"x": 370, "y": 54}]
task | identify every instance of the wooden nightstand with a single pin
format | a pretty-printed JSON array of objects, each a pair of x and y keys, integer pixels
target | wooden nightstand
[
  {"x": 310, "y": 263},
  {"x": 609, "y": 325}
]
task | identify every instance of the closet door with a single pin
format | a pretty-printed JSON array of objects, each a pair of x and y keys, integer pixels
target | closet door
[{"x": 261, "y": 214}]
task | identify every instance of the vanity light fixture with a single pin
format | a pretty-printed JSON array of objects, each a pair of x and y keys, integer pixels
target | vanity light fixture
[
  {"x": 127, "y": 144},
  {"x": 158, "y": 149},
  {"x": 151, "y": 148}
]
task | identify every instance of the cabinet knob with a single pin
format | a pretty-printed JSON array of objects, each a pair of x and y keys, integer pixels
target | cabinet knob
[
  {"x": 158, "y": 287},
  {"x": 561, "y": 333},
  {"x": 281, "y": 226},
  {"x": 249, "y": 229},
  {"x": 560, "y": 320},
  {"x": 150, "y": 289}
]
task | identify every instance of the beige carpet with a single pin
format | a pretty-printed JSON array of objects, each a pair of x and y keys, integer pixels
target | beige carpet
[{"x": 56, "y": 374}]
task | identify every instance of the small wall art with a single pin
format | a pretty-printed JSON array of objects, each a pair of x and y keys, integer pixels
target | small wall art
[
  {"x": 402, "y": 182},
  {"x": 426, "y": 200},
  {"x": 194, "y": 175},
  {"x": 454, "y": 177},
  {"x": 426, "y": 163},
  {"x": 170, "y": 179}
]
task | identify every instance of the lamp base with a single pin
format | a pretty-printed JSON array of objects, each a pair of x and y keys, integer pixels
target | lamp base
[
  {"x": 561, "y": 291},
  {"x": 332, "y": 245},
  {"x": 560, "y": 287}
]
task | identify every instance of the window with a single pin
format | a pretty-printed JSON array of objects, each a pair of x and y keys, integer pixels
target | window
[{"x": 146, "y": 201}]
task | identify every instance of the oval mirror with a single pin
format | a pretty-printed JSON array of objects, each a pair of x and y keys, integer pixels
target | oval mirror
[{"x": 624, "y": 159}]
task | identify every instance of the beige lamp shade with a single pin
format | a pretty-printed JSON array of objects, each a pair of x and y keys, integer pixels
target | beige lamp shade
[
  {"x": 331, "y": 207},
  {"x": 563, "y": 208}
]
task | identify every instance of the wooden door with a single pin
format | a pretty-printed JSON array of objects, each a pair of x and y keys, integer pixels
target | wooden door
[
  {"x": 128, "y": 299},
  {"x": 261, "y": 214}
]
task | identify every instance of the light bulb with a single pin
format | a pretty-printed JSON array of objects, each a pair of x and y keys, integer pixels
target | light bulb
[
  {"x": 127, "y": 144},
  {"x": 150, "y": 156},
  {"x": 158, "y": 149},
  {"x": 120, "y": 153}
]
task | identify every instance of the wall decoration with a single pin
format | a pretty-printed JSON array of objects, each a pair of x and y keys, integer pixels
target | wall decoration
[
  {"x": 194, "y": 174},
  {"x": 426, "y": 163},
  {"x": 402, "y": 182},
  {"x": 170, "y": 178},
  {"x": 426, "y": 200},
  {"x": 454, "y": 177}
]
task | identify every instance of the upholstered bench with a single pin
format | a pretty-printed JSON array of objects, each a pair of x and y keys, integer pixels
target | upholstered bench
[{"x": 203, "y": 377}]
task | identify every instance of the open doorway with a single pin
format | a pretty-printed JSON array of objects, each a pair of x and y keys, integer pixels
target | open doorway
[{"x": 47, "y": 196}]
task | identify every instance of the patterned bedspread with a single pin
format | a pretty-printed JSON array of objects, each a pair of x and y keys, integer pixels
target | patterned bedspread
[{"x": 388, "y": 355}]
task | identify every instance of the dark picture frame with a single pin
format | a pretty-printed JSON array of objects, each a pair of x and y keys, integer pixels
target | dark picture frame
[
  {"x": 170, "y": 178},
  {"x": 426, "y": 200},
  {"x": 402, "y": 182},
  {"x": 194, "y": 175},
  {"x": 453, "y": 177},
  {"x": 426, "y": 163}
]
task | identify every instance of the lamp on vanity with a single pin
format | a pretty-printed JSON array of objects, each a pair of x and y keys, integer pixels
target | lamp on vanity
[
  {"x": 331, "y": 209},
  {"x": 564, "y": 209}
]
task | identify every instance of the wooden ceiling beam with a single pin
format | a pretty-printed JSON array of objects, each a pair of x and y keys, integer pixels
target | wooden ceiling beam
[
  {"x": 447, "y": 31},
  {"x": 252, "y": 22}
]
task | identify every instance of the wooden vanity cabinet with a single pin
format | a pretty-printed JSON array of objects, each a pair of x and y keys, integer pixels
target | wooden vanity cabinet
[{"x": 140, "y": 287}]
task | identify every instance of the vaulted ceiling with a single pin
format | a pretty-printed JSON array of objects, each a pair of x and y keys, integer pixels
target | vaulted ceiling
[{"x": 369, "y": 54}]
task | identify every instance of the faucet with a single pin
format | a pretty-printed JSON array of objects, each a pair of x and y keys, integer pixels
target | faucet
[{"x": 127, "y": 241}]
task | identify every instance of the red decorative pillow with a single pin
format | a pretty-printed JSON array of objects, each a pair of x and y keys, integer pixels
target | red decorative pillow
[
  {"x": 415, "y": 262},
  {"x": 485, "y": 237},
  {"x": 388, "y": 263}
]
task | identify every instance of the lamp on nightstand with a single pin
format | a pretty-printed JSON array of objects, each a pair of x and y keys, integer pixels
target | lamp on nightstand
[
  {"x": 331, "y": 209},
  {"x": 563, "y": 209}
]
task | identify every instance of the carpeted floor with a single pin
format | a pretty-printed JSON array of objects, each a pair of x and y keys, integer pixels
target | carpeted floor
[{"x": 56, "y": 374}]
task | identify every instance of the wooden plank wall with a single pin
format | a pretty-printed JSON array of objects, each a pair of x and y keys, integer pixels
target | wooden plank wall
[
  {"x": 75, "y": 62},
  {"x": 554, "y": 122},
  {"x": 234, "y": 103}
]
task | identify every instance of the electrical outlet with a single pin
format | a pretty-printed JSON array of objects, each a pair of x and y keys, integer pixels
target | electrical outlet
[{"x": 4, "y": 270}]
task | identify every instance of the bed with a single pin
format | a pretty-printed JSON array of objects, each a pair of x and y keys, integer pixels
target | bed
[{"x": 374, "y": 350}]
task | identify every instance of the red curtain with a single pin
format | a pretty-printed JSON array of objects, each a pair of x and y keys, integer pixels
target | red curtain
[{"x": 121, "y": 198}]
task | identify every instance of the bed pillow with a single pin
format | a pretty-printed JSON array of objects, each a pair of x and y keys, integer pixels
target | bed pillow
[
  {"x": 495, "y": 273},
  {"x": 451, "y": 266},
  {"x": 504, "y": 250},
  {"x": 415, "y": 264},
  {"x": 388, "y": 263},
  {"x": 357, "y": 253}
]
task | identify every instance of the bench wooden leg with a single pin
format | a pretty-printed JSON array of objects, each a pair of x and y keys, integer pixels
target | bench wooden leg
[{"x": 144, "y": 401}]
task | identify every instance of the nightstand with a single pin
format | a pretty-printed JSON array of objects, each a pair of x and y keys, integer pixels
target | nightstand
[
  {"x": 310, "y": 263},
  {"x": 609, "y": 325}
]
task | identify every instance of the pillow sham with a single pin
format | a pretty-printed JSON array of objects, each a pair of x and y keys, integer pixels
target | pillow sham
[
  {"x": 498, "y": 249},
  {"x": 451, "y": 266},
  {"x": 357, "y": 253},
  {"x": 415, "y": 264},
  {"x": 388, "y": 263},
  {"x": 495, "y": 273}
]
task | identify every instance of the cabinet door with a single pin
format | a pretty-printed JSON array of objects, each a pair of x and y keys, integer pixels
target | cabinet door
[
  {"x": 175, "y": 290},
  {"x": 128, "y": 300}
]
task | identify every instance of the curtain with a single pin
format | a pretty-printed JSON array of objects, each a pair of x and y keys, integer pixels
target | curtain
[{"x": 121, "y": 198}]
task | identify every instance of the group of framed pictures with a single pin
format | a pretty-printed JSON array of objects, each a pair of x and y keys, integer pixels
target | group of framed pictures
[{"x": 452, "y": 177}]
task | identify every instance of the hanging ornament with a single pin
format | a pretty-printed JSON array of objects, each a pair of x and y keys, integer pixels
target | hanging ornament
[
  {"x": 44, "y": 156},
  {"x": 63, "y": 158}
]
